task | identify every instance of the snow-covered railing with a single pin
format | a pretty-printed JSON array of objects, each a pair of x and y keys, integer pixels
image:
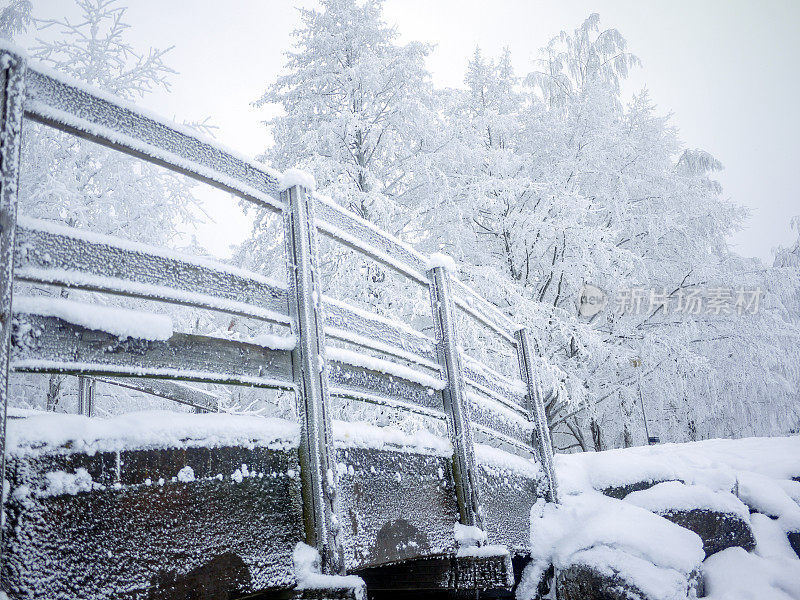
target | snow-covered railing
[{"x": 396, "y": 365}]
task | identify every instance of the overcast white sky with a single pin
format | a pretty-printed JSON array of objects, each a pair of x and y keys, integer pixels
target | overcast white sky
[{"x": 726, "y": 69}]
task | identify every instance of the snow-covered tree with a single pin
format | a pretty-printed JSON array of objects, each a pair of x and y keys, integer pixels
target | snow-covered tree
[
  {"x": 15, "y": 18},
  {"x": 76, "y": 182},
  {"x": 359, "y": 113},
  {"x": 356, "y": 109},
  {"x": 557, "y": 184}
]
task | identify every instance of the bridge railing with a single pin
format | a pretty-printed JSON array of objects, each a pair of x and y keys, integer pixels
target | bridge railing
[{"x": 399, "y": 366}]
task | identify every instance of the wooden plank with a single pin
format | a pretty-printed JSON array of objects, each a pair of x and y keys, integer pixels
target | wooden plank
[
  {"x": 489, "y": 381},
  {"x": 483, "y": 311},
  {"x": 395, "y": 505},
  {"x": 86, "y": 395},
  {"x": 455, "y": 402},
  {"x": 54, "y": 254},
  {"x": 347, "y": 228},
  {"x": 438, "y": 573},
  {"x": 48, "y": 344},
  {"x": 508, "y": 498},
  {"x": 542, "y": 442},
  {"x": 349, "y": 381},
  {"x": 168, "y": 390},
  {"x": 12, "y": 85},
  {"x": 348, "y": 325},
  {"x": 489, "y": 413},
  {"x": 311, "y": 378},
  {"x": 492, "y": 437},
  {"x": 110, "y": 121}
]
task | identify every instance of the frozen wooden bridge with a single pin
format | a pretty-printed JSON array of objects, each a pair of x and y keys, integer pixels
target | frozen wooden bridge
[{"x": 186, "y": 514}]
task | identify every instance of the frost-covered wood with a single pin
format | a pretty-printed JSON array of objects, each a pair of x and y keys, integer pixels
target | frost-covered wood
[
  {"x": 53, "y": 254},
  {"x": 541, "y": 441},
  {"x": 360, "y": 506},
  {"x": 147, "y": 527},
  {"x": 12, "y": 71},
  {"x": 348, "y": 324},
  {"x": 351, "y": 381},
  {"x": 455, "y": 404},
  {"x": 363, "y": 236},
  {"x": 50, "y": 345},
  {"x": 171, "y": 390},
  {"x": 482, "y": 310},
  {"x": 396, "y": 505},
  {"x": 95, "y": 116},
  {"x": 490, "y": 382},
  {"x": 323, "y": 529},
  {"x": 86, "y": 394},
  {"x": 489, "y": 413}
]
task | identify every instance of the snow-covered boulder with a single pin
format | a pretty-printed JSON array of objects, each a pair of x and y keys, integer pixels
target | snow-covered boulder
[
  {"x": 794, "y": 541},
  {"x": 718, "y": 517},
  {"x": 775, "y": 498},
  {"x": 606, "y": 548},
  {"x": 606, "y": 581}
]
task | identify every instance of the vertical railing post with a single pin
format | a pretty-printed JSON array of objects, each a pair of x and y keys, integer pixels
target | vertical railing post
[
  {"x": 12, "y": 94},
  {"x": 86, "y": 387},
  {"x": 455, "y": 401},
  {"x": 541, "y": 442},
  {"x": 316, "y": 441}
]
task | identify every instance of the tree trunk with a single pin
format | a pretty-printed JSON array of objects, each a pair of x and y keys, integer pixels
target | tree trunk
[
  {"x": 597, "y": 435},
  {"x": 54, "y": 391}
]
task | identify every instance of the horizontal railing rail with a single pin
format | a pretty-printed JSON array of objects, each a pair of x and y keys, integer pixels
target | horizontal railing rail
[{"x": 371, "y": 359}]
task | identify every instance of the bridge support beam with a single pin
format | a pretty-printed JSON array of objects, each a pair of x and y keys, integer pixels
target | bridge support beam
[
  {"x": 477, "y": 573},
  {"x": 455, "y": 402},
  {"x": 12, "y": 93},
  {"x": 536, "y": 411},
  {"x": 311, "y": 380}
]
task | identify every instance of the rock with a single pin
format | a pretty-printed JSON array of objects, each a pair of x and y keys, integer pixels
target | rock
[
  {"x": 718, "y": 530},
  {"x": 794, "y": 541},
  {"x": 619, "y": 492},
  {"x": 583, "y": 582}
]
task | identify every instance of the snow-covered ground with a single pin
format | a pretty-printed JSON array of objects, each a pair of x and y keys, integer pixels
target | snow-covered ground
[{"x": 748, "y": 478}]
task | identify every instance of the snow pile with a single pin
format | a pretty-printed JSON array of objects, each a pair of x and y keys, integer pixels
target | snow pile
[
  {"x": 58, "y": 483},
  {"x": 50, "y": 432},
  {"x": 469, "y": 535},
  {"x": 614, "y": 537},
  {"x": 771, "y": 540},
  {"x": 442, "y": 260},
  {"x": 357, "y": 434},
  {"x": 472, "y": 540},
  {"x": 714, "y": 463},
  {"x": 307, "y": 572},
  {"x": 731, "y": 476},
  {"x": 186, "y": 474},
  {"x": 122, "y": 322},
  {"x": 677, "y": 496},
  {"x": 292, "y": 177},
  {"x": 766, "y": 496},
  {"x": 735, "y": 574}
]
